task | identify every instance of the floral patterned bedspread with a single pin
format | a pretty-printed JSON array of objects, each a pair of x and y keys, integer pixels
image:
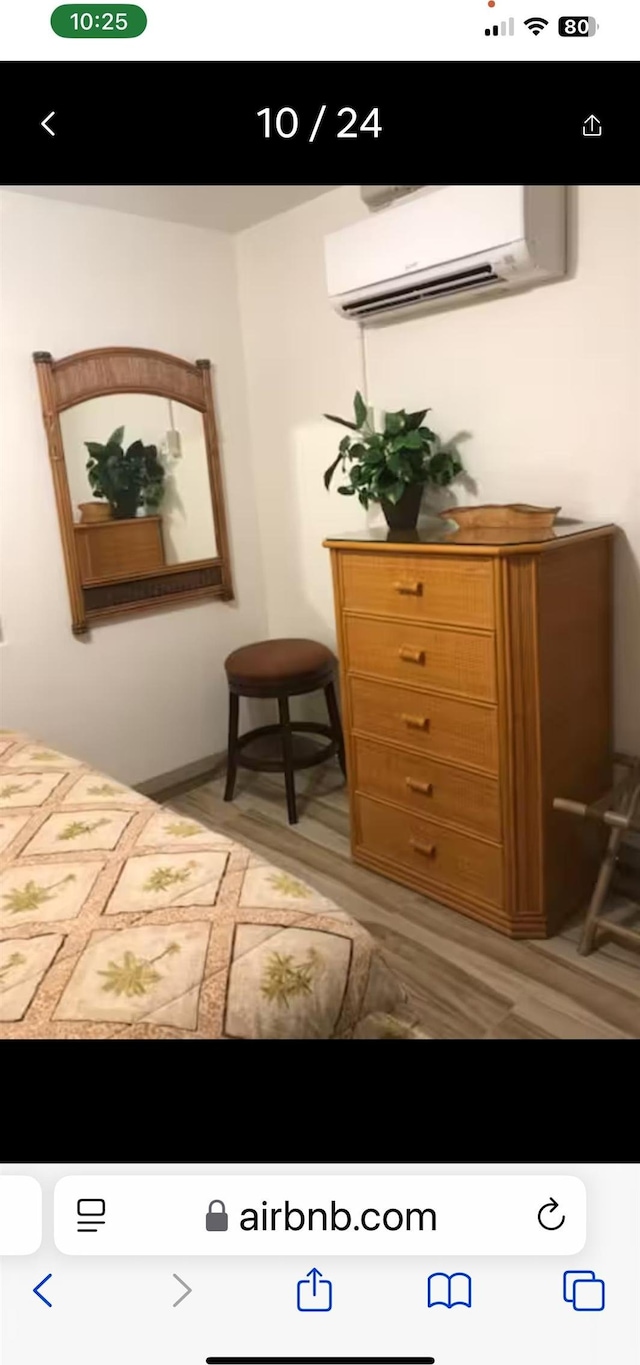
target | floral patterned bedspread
[{"x": 121, "y": 919}]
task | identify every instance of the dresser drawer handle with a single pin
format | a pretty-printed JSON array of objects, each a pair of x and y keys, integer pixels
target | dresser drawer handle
[
  {"x": 413, "y": 589},
  {"x": 411, "y": 656},
  {"x": 416, "y": 722},
  {"x": 426, "y": 788},
  {"x": 429, "y": 850}
]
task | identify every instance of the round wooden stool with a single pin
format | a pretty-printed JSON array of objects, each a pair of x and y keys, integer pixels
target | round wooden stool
[{"x": 281, "y": 669}]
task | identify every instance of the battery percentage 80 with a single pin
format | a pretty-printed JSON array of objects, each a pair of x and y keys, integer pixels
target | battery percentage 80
[{"x": 577, "y": 26}]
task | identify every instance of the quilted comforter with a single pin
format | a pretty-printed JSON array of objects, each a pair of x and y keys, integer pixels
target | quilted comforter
[{"x": 122, "y": 919}]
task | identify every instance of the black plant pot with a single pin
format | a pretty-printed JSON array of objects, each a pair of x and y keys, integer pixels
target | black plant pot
[
  {"x": 125, "y": 508},
  {"x": 403, "y": 515}
]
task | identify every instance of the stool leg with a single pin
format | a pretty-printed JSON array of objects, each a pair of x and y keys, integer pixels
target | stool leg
[
  {"x": 287, "y": 756},
  {"x": 336, "y": 724},
  {"x": 232, "y": 751}
]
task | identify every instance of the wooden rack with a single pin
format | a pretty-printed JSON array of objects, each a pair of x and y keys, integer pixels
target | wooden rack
[{"x": 619, "y": 811}]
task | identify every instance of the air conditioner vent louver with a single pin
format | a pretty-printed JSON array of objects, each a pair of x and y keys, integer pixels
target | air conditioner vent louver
[
  {"x": 405, "y": 297},
  {"x": 443, "y": 245}
]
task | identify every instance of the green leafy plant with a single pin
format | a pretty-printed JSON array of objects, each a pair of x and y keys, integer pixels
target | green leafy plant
[
  {"x": 77, "y": 827},
  {"x": 32, "y": 895},
  {"x": 382, "y": 465},
  {"x": 128, "y": 479},
  {"x": 135, "y": 975},
  {"x": 163, "y": 877},
  {"x": 289, "y": 886},
  {"x": 183, "y": 829},
  {"x": 283, "y": 978},
  {"x": 16, "y": 960}
]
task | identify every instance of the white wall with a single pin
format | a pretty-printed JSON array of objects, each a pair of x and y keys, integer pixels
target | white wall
[
  {"x": 146, "y": 695},
  {"x": 546, "y": 383},
  {"x": 301, "y": 360}
]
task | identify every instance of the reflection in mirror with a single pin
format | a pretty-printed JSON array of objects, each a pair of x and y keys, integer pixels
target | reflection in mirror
[
  {"x": 133, "y": 447},
  {"x": 155, "y": 468}
]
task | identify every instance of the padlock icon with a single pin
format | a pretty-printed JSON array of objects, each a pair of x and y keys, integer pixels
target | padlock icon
[{"x": 217, "y": 1222}]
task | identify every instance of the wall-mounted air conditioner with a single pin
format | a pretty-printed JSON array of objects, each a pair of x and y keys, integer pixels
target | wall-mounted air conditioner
[
  {"x": 380, "y": 196},
  {"x": 448, "y": 243}
]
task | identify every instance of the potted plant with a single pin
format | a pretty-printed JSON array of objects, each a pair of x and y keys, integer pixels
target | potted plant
[
  {"x": 392, "y": 466},
  {"x": 127, "y": 479}
]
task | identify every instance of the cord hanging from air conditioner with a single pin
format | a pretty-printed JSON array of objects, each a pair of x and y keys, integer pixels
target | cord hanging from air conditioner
[{"x": 363, "y": 362}]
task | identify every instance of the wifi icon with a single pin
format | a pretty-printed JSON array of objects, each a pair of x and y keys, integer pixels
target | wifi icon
[{"x": 536, "y": 25}]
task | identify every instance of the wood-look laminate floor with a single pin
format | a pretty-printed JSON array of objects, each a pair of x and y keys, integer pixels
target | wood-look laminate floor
[{"x": 464, "y": 980}]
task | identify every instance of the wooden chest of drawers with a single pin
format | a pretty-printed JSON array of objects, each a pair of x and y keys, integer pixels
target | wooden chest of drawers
[
  {"x": 109, "y": 550},
  {"x": 476, "y": 686}
]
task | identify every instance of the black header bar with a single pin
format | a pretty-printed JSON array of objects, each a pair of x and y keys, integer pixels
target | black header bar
[{"x": 335, "y": 123}]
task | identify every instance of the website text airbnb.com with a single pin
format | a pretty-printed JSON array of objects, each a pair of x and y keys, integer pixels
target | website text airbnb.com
[{"x": 290, "y": 1218}]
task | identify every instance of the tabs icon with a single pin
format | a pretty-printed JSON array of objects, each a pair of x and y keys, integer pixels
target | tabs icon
[{"x": 583, "y": 1291}]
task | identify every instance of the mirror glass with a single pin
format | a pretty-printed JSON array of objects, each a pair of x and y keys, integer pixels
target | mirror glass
[{"x": 135, "y": 458}]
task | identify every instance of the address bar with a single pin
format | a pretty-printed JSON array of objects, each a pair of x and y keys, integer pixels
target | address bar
[{"x": 332, "y": 1215}]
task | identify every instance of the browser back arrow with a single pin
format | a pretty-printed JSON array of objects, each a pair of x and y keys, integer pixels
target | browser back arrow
[
  {"x": 38, "y": 1287},
  {"x": 45, "y": 123}
]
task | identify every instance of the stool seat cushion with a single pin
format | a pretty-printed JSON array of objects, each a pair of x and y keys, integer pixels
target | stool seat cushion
[{"x": 274, "y": 662}]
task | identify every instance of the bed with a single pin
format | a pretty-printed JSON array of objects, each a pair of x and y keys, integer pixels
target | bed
[{"x": 121, "y": 919}]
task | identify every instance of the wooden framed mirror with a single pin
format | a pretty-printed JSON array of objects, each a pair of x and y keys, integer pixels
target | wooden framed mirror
[{"x": 137, "y": 478}]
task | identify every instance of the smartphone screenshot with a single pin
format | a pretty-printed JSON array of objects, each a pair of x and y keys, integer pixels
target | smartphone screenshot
[{"x": 319, "y": 683}]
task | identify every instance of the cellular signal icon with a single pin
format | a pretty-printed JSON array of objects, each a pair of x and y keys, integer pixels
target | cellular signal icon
[
  {"x": 501, "y": 30},
  {"x": 536, "y": 26}
]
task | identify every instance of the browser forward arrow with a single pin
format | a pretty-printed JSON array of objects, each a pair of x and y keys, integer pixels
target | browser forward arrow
[{"x": 184, "y": 1286}]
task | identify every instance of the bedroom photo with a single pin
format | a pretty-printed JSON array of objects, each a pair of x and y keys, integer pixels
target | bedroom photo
[{"x": 320, "y": 612}]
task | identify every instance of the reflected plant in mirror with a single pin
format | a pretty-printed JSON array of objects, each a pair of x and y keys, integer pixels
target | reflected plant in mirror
[{"x": 127, "y": 479}]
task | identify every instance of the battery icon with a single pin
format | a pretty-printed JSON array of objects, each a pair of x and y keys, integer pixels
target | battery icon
[{"x": 577, "y": 26}]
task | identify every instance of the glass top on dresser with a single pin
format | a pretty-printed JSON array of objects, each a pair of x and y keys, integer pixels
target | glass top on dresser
[{"x": 440, "y": 532}]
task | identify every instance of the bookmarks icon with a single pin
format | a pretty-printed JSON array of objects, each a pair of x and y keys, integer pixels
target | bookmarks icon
[{"x": 450, "y": 1291}]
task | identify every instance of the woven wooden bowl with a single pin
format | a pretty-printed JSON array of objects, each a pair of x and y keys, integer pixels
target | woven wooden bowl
[{"x": 516, "y": 514}]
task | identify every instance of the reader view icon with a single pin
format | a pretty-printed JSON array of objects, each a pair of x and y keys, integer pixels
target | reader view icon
[
  {"x": 451, "y": 1291},
  {"x": 91, "y": 1214},
  {"x": 583, "y": 1291},
  {"x": 315, "y": 1295}
]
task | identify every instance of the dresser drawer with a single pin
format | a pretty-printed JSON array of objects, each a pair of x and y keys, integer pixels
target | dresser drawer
[
  {"x": 450, "y": 660},
  {"x": 428, "y": 788},
  {"x": 441, "y": 726},
  {"x": 456, "y": 591},
  {"x": 440, "y": 856}
]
